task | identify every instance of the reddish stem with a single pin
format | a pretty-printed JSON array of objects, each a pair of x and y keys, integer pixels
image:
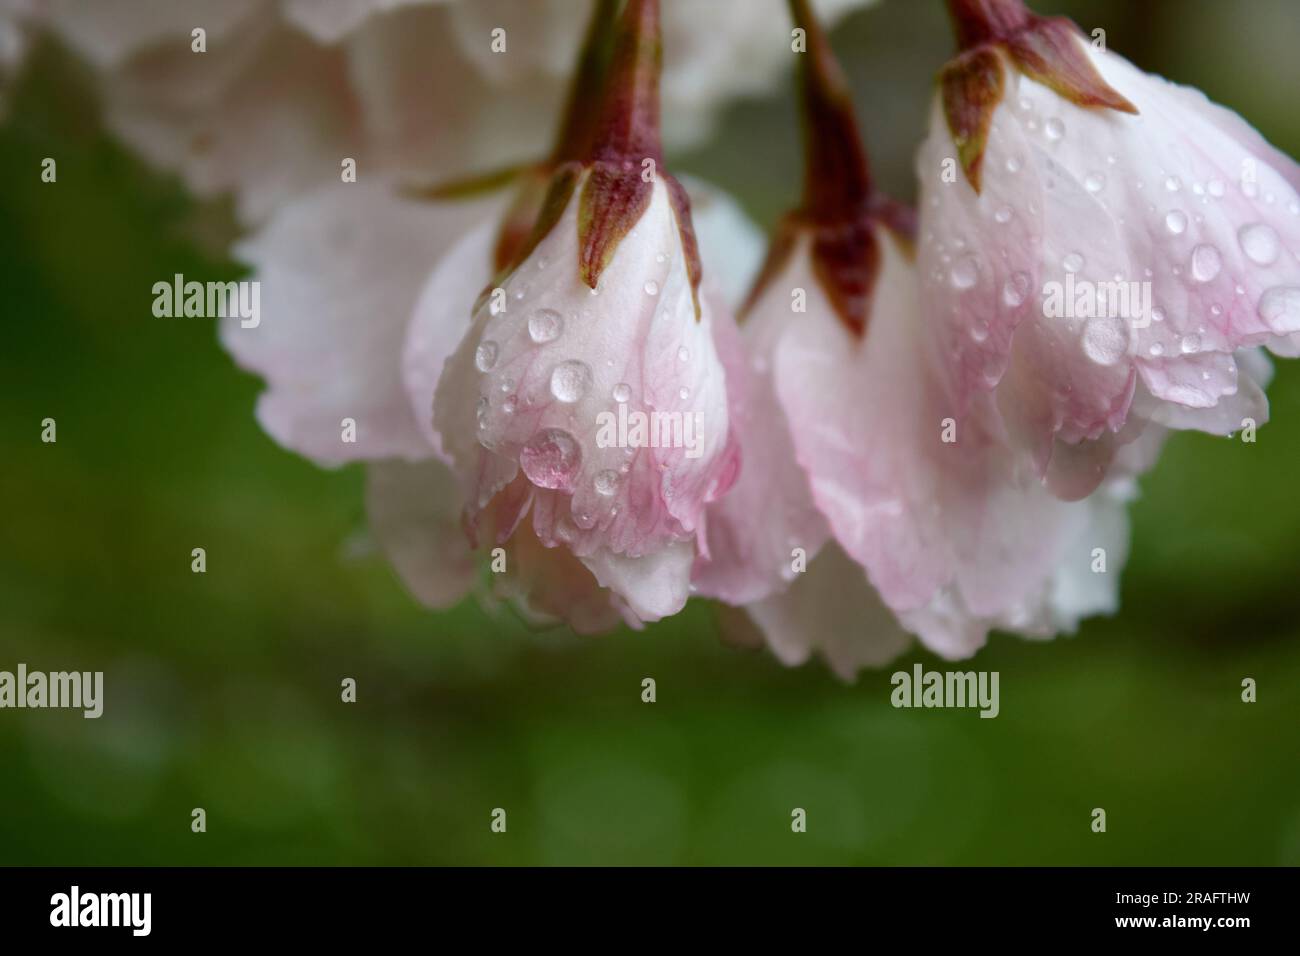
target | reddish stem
[
  {"x": 982, "y": 21},
  {"x": 837, "y": 177},
  {"x": 581, "y": 108},
  {"x": 627, "y": 127}
]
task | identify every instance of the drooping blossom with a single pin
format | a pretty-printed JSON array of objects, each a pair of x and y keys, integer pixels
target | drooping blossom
[
  {"x": 1102, "y": 251},
  {"x": 368, "y": 289},
  {"x": 587, "y": 405},
  {"x": 903, "y": 521}
]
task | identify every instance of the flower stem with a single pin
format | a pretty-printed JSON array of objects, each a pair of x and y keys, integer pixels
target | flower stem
[
  {"x": 582, "y": 107},
  {"x": 627, "y": 127},
  {"x": 837, "y": 178},
  {"x": 981, "y": 21}
]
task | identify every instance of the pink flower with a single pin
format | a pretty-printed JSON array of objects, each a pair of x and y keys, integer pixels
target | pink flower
[
  {"x": 356, "y": 326},
  {"x": 1111, "y": 248},
  {"x": 856, "y": 441},
  {"x": 591, "y": 371}
]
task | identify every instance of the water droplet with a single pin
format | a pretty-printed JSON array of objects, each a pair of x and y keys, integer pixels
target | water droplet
[
  {"x": 1157, "y": 315},
  {"x": 1176, "y": 222},
  {"x": 1190, "y": 345},
  {"x": 1260, "y": 243},
  {"x": 1013, "y": 165},
  {"x": 485, "y": 356},
  {"x": 652, "y": 287},
  {"x": 1173, "y": 184},
  {"x": 684, "y": 393},
  {"x": 1206, "y": 263},
  {"x": 606, "y": 482},
  {"x": 584, "y": 520},
  {"x": 661, "y": 258},
  {"x": 1003, "y": 215},
  {"x": 964, "y": 273},
  {"x": 541, "y": 263},
  {"x": 545, "y": 325},
  {"x": 509, "y": 405},
  {"x": 1105, "y": 340},
  {"x": 521, "y": 290},
  {"x": 1280, "y": 308},
  {"x": 1073, "y": 262},
  {"x": 1054, "y": 129},
  {"x": 1094, "y": 182},
  {"x": 570, "y": 380},
  {"x": 1016, "y": 289},
  {"x": 622, "y": 393},
  {"x": 1157, "y": 349},
  {"x": 551, "y": 458},
  {"x": 683, "y": 354}
]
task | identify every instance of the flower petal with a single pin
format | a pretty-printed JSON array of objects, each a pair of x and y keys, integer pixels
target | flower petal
[
  {"x": 414, "y": 511},
  {"x": 340, "y": 270}
]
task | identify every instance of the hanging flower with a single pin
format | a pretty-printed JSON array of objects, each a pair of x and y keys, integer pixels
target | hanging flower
[
  {"x": 1101, "y": 249},
  {"x": 588, "y": 397},
  {"x": 863, "y": 467}
]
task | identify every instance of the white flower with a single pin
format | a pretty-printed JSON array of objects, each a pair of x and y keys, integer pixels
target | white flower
[{"x": 1111, "y": 251}]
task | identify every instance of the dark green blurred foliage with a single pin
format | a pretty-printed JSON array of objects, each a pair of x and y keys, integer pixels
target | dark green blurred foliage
[{"x": 223, "y": 689}]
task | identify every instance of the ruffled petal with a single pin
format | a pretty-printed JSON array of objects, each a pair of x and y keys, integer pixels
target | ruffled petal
[
  {"x": 832, "y": 610},
  {"x": 750, "y": 559},
  {"x": 339, "y": 272},
  {"x": 414, "y": 512}
]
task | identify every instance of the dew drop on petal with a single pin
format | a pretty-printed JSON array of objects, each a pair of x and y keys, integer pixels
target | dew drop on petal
[
  {"x": 551, "y": 458},
  {"x": 652, "y": 287},
  {"x": 1173, "y": 183},
  {"x": 1054, "y": 129},
  {"x": 1073, "y": 262},
  {"x": 1206, "y": 263},
  {"x": 1013, "y": 165},
  {"x": 606, "y": 482},
  {"x": 1105, "y": 340},
  {"x": 964, "y": 273},
  {"x": 1190, "y": 345},
  {"x": 684, "y": 393},
  {"x": 1157, "y": 349},
  {"x": 1015, "y": 290},
  {"x": 545, "y": 325},
  {"x": 622, "y": 393},
  {"x": 570, "y": 380},
  {"x": 1003, "y": 215},
  {"x": 485, "y": 356},
  {"x": 1259, "y": 242},
  {"x": 1094, "y": 182},
  {"x": 684, "y": 354},
  {"x": 1176, "y": 222},
  {"x": 1279, "y": 307},
  {"x": 1216, "y": 188}
]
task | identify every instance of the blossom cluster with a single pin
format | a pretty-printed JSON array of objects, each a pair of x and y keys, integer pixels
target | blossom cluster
[{"x": 579, "y": 374}]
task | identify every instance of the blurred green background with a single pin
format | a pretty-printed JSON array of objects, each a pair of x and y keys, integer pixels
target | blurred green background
[{"x": 223, "y": 689}]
